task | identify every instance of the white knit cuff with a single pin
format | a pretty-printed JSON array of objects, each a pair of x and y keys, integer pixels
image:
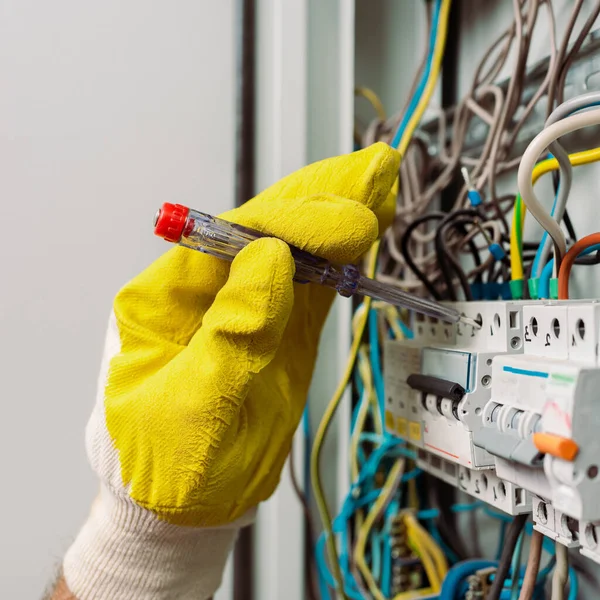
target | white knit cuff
[{"x": 123, "y": 552}]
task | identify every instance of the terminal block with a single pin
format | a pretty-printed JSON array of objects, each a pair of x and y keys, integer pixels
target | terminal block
[
  {"x": 483, "y": 484},
  {"x": 541, "y": 422}
]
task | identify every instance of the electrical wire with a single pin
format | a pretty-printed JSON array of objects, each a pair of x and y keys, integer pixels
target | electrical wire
[
  {"x": 373, "y": 99},
  {"x": 584, "y": 101},
  {"x": 516, "y": 568},
  {"x": 561, "y": 572},
  {"x": 405, "y": 249},
  {"x": 334, "y": 403},
  {"x": 565, "y": 269},
  {"x": 538, "y": 145},
  {"x": 388, "y": 490},
  {"x": 415, "y": 530},
  {"x": 533, "y": 566},
  {"x": 420, "y": 89},
  {"x": 576, "y": 159},
  {"x": 323, "y": 428},
  {"x": 583, "y": 258},
  {"x": 436, "y": 65},
  {"x": 512, "y": 536},
  {"x": 570, "y": 57},
  {"x": 562, "y": 53},
  {"x": 428, "y": 260}
]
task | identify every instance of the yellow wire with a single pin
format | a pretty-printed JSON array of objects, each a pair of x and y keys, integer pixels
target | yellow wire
[
  {"x": 393, "y": 316},
  {"x": 439, "y": 559},
  {"x": 416, "y": 541},
  {"x": 436, "y": 65},
  {"x": 315, "y": 456},
  {"x": 545, "y": 166},
  {"x": 373, "y": 99},
  {"x": 363, "y": 533},
  {"x": 337, "y": 397}
]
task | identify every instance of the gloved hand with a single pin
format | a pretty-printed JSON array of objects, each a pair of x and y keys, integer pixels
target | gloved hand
[{"x": 206, "y": 372}]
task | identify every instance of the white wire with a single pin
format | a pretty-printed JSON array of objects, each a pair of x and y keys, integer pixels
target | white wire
[
  {"x": 561, "y": 572},
  {"x": 530, "y": 157}
]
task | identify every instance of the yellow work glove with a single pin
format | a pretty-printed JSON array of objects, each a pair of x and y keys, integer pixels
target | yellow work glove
[{"x": 208, "y": 365}]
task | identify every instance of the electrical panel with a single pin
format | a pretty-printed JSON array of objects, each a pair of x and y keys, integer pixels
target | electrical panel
[{"x": 524, "y": 433}]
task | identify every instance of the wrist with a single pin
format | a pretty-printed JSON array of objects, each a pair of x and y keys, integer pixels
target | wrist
[{"x": 124, "y": 552}]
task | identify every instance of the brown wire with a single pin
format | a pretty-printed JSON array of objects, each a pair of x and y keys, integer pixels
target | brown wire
[
  {"x": 533, "y": 566},
  {"x": 587, "y": 26},
  {"x": 562, "y": 51}
]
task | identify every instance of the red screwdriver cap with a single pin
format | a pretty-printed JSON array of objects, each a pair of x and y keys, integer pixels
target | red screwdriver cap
[{"x": 170, "y": 221}]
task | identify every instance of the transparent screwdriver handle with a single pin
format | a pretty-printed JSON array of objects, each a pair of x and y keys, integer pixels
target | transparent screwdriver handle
[{"x": 222, "y": 239}]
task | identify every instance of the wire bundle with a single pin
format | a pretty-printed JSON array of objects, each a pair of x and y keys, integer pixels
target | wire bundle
[{"x": 484, "y": 257}]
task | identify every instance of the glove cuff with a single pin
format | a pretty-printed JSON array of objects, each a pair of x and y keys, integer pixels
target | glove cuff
[{"x": 124, "y": 552}]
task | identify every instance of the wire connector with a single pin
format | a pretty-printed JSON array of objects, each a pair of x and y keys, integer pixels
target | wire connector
[
  {"x": 497, "y": 251},
  {"x": 533, "y": 285},
  {"x": 472, "y": 194}
]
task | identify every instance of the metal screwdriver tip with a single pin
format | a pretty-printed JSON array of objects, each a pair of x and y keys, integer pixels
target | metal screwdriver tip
[
  {"x": 472, "y": 322},
  {"x": 157, "y": 216}
]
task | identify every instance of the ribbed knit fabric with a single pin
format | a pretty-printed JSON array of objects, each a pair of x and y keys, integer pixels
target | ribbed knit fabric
[{"x": 123, "y": 552}]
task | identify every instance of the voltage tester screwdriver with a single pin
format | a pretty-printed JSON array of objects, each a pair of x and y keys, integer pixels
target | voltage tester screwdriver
[{"x": 222, "y": 239}]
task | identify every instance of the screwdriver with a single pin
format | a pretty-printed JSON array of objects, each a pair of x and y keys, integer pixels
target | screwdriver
[{"x": 219, "y": 238}]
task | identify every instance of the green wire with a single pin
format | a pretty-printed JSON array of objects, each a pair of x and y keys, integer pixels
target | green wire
[{"x": 518, "y": 230}]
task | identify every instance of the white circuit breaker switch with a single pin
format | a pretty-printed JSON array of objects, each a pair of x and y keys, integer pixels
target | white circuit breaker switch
[
  {"x": 573, "y": 453},
  {"x": 462, "y": 355},
  {"x": 564, "y": 395}
]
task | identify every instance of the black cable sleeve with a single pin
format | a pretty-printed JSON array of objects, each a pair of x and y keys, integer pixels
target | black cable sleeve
[
  {"x": 510, "y": 541},
  {"x": 405, "y": 249}
]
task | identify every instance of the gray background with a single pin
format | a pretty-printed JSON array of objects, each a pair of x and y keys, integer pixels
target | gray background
[{"x": 107, "y": 109}]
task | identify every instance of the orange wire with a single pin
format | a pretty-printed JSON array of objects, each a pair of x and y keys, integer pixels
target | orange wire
[{"x": 569, "y": 260}]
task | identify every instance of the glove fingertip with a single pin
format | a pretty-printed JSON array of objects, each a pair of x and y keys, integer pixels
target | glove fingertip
[{"x": 379, "y": 177}]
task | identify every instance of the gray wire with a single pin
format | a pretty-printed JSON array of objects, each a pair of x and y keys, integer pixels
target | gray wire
[
  {"x": 566, "y": 169},
  {"x": 530, "y": 157}
]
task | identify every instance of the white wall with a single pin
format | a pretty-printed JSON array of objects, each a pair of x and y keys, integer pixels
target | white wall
[{"x": 107, "y": 109}]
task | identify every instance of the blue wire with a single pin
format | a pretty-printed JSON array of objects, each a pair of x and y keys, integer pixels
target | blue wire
[
  {"x": 408, "y": 334},
  {"x": 325, "y": 575},
  {"x": 375, "y": 360},
  {"x": 458, "y": 573},
  {"x": 350, "y": 584},
  {"x": 544, "y": 283},
  {"x": 424, "y": 77},
  {"x": 573, "y": 584},
  {"x": 516, "y": 568},
  {"x": 503, "y": 527},
  {"x": 376, "y": 539},
  {"x": 434, "y": 513},
  {"x": 535, "y": 269},
  {"x": 307, "y": 449}
]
